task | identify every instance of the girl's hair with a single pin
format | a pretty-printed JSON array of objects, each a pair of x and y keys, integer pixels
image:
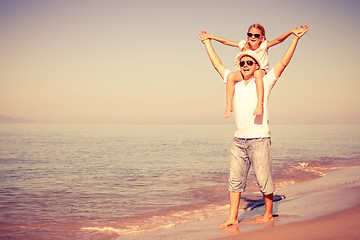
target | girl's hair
[{"x": 257, "y": 26}]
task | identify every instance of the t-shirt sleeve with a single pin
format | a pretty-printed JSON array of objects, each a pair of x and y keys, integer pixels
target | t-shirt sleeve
[
  {"x": 270, "y": 80},
  {"x": 263, "y": 45},
  {"x": 226, "y": 74},
  {"x": 241, "y": 44}
]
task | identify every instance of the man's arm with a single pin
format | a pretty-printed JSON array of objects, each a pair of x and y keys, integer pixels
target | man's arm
[
  {"x": 214, "y": 58},
  {"x": 280, "y": 66}
]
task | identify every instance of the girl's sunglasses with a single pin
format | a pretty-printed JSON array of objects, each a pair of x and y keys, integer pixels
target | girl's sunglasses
[
  {"x": 255, "y": 35},
  {"x": 248, "y": 62}
]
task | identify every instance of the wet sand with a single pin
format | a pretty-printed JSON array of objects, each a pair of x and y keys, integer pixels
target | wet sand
[
  {"x": 340, "y": 225},
  {"x": 324, "y": 208}
]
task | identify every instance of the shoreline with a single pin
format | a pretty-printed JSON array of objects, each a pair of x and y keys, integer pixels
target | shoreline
[{"x": 306, "y": 204}]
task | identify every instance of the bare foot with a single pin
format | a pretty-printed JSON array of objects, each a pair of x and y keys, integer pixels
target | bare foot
[
  {"x": 229, "y": 222},
  {"x": 265, "y": 219},
  {"x": 258, "y": 110},
  {"x": 233, "y": 229},
  {"x": 228, "y": 112}
]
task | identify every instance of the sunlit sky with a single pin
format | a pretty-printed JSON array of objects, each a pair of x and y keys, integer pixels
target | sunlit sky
[{"x": 131, "y": 61}]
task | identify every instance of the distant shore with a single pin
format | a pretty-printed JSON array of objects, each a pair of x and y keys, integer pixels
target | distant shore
[{"x": 316, "y": 209}]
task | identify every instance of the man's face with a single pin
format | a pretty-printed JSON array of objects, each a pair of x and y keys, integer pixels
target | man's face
[{"x": 247, "y": 66}]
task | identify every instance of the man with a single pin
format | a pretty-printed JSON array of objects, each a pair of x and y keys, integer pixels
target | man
[{"x": 251, "y": 144}]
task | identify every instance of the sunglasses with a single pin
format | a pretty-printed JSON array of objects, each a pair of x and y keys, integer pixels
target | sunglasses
[
  {"x": 255, "y": 35},
  {"x": 248, "y": 62}
]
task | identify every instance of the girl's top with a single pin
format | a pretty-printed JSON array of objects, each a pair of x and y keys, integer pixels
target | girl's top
[{"x": 262, "y": 53}]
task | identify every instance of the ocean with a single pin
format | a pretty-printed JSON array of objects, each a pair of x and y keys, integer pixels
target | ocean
[{"x": 109, "y": 181}]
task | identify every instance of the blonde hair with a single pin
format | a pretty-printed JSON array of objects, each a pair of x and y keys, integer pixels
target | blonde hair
[{"x": 256, "y": 26}]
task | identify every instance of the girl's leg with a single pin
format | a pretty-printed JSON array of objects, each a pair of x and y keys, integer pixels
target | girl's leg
[
  {"x": 259, "y": 74},
  {"x": 230, "y": 89}
]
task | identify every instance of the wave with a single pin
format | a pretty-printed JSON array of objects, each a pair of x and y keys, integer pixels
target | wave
[
  {"x": 160, "y": 221},
  {"x": 172, "y": 219}
]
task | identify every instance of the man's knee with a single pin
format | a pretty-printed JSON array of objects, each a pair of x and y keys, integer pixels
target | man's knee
[{"x": 259, "y": 73}]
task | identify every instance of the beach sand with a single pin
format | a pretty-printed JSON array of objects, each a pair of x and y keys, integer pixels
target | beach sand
[
  {"x": 324, "y": 208},
  {"x": 341, "y": 225}
]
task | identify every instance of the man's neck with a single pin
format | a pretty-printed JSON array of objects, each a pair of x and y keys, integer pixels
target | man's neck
[{"x": 247, "y": 80}]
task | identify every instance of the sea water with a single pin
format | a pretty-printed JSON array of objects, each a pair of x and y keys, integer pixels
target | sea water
[{"x": 102, "y": 181}]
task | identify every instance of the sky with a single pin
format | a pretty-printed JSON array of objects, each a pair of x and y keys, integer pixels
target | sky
[{"x": 138, "y": 61}]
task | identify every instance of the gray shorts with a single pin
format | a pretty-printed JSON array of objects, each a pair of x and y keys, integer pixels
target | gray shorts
[{"x": 247, "y": 152}]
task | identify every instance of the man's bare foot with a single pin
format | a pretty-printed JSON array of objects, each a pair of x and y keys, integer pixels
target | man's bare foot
[
  {"x": 233, "y": 229},
  {"x": 229, "y": 222},
  {"x": 265, "y": 219},
  {"x": 258, "y": 110}
]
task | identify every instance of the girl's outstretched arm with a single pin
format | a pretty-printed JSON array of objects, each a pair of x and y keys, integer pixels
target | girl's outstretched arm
[
  {"x": 280, "y": 66},
  {"x": 281, "y": 38},
  {"x": 223, "y": 40}
]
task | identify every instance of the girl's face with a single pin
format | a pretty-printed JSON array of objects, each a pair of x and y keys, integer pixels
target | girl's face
[{"x": 255, "y": 37}]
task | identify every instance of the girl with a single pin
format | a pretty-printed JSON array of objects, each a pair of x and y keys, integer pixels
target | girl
[{"x": 256, "y": 41}]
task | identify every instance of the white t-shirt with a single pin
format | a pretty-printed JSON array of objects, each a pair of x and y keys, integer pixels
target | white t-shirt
[
  {"x": 262, "y": 53},
  {"x": 244, "y": 103}
]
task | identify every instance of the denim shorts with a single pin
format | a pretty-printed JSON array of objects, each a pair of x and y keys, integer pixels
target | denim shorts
[{"x": 247, "y": 152}]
